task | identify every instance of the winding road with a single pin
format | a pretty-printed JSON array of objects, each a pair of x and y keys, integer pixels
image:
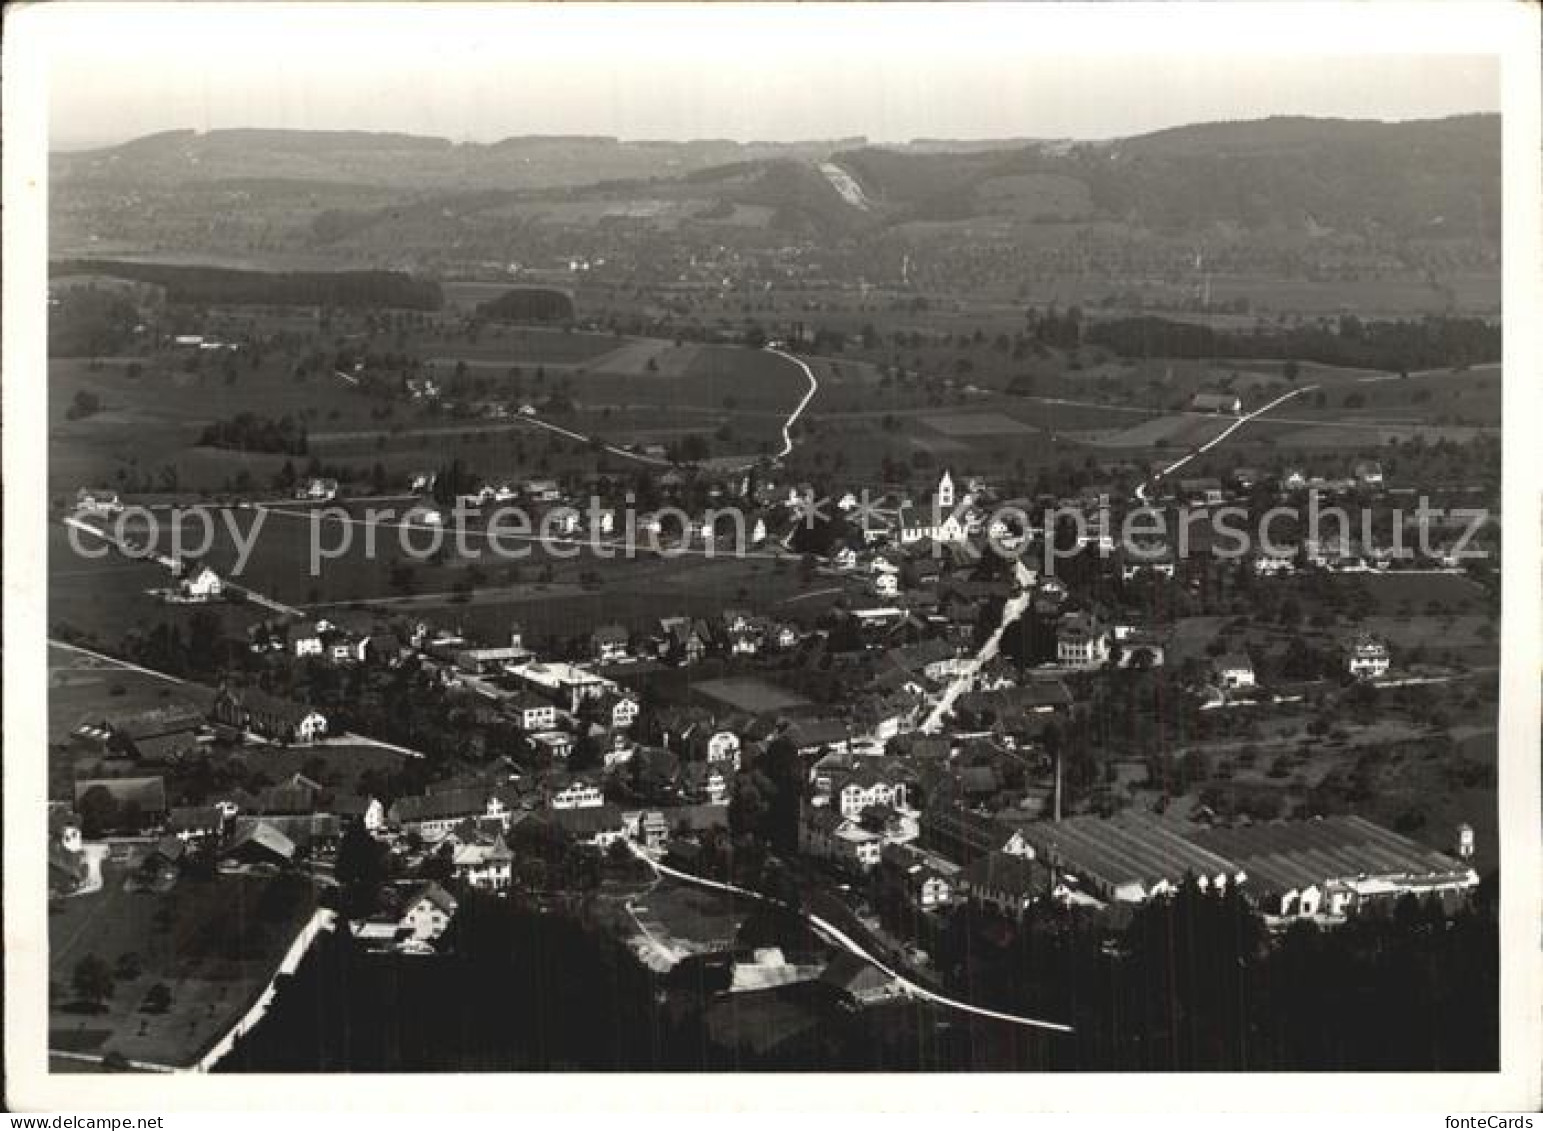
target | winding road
[
  {"x": 814, "y": 387},
  {"x": 845, "y": 942}
]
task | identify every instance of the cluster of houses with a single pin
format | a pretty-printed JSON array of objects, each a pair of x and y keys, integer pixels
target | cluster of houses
[{"x": 936, "y": 814}]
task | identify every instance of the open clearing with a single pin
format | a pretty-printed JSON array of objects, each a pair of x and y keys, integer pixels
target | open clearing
[
  {"x": 976, "y": 424},
  {"x": 749, "y": 694},
  {"x": 1174, "y": 430}
]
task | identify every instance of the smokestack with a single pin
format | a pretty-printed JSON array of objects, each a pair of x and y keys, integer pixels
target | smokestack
[{"x": 1058, "y": 786}]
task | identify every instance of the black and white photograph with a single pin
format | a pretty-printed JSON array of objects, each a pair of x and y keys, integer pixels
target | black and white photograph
[{"x": 924, "y": 549}]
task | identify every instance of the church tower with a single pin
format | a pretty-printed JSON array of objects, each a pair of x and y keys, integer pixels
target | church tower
[{"x": 946, "y": 491}]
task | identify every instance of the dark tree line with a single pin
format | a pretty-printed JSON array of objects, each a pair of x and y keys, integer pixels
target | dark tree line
[
  {"x": 201, "y": 285},
  {"x": 528, "y": 304},
  {"x": 249, "y": 432},
  {"x": 1399, "y": 345}
]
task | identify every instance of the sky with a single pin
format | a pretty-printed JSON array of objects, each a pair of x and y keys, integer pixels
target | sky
[{"x": 781, "y": 72}]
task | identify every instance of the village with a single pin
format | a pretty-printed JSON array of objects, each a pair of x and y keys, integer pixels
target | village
[{"x": 927, "y": 740}]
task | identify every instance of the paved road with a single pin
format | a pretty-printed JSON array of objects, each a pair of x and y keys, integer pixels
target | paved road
[
  {"x": 1012, "y": 609},
  {"x": 845, "y": 942},
  {"x": 1141, "y": 489},
  {"x": 814, "y": 387}
]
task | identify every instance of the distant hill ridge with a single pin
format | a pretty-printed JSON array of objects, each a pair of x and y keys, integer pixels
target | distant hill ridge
[{"x": 1437, "y": 178}]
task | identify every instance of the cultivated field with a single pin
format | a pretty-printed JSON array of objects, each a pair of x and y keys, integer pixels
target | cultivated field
[{"x": 213, "y": 943}]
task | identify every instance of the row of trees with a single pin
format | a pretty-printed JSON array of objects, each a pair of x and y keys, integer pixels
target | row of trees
[
  {"x": 1431, "y": 342},
  {"x": 198, "y": 284},
  {"x": 250, "y": 432}
]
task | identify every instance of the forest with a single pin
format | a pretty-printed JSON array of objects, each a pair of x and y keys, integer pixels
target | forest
[{"x": 200, "y": 285}]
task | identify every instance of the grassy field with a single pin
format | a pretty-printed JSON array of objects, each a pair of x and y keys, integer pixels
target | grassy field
[
  {"x": 82, "y": 689},
  {"x": 754, "y": 696},
  {"x": 214, "y": 944},
  {"x": 108, "y": 597}
]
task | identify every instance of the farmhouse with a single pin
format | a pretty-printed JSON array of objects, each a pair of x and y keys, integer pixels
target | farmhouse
[
  {"x": 259, "y": 844},
  {"x": 432, "y": 815},
  {"x": 1277, "y": 564},
  {"x": 1216, "y": 402},
  {"x": 598, "y": 825},
  {"x": 97, "y": 500},
  {"x": 1201, "y": 492},
  {"x": 259, "y": 713},
  {"x": 609, "y": 644},
  {"x": 317, "y": 490},
  {"x": 195, "y": 822},
  {"x": 1368, "y": 658},
  {"x": 542, "y": 490},
  {"x": 1368, "y": 472},
  {"x": 160, "y": 734},
  {"x": 1234, "y": 671},
  {"x": 857, "y": 982},
  {"x": 202, "y": 584}
]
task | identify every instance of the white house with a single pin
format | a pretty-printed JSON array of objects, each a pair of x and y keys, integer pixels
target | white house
[
  {"x": 1234, "y": 671},
  {"x": 202, "y": 585},
  {"x": 1368, "y": 472},
  {"x": 609, "y": 643},
  {"x": 97, "y": 501},
  {"x": 322, "y": 490},
  {"x": 532, "y": 712},
  {"x": 620, "y": 752},
  {"x": 576, "y": 794},
  {"x": 486, "y": 866},
  {"x": 1368, "y": 659},
  {"x": 723, "y": 747},
  {"x": 1081, "y": 642},
  {"x": 857, "y": 793},
  {"x": 426, "y": 913},
  {"x": 621, "y": 711}
]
